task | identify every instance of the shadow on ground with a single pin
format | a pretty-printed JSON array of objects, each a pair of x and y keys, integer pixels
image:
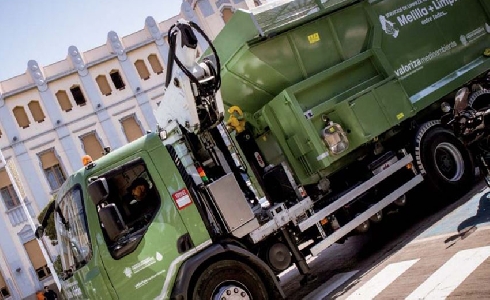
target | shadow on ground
[
  {"x": 393, "y": 233},
  {"x": 468, "y": 226}
]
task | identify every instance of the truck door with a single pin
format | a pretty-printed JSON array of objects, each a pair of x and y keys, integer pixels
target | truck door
[
  {"x": 138, "y": 249},
  {"x": 81, "y": 277}
]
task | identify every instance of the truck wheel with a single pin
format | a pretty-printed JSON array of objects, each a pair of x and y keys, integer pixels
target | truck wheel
[
  {"x": 480, "y": 99},
  {"x": 447, "y": 164},
  {"x": 229, "y": 279}
]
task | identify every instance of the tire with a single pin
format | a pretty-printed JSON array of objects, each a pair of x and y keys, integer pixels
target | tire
[
  {"x": 447, "y": 164},
  {"x": 230, "y": 276},
  {"x": 479, "y": 99}
]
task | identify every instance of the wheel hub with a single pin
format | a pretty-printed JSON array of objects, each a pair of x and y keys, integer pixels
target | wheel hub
[
  {"x": 449, "y": 161},
  {"x": 231, "y": 291},
  {"x": 279, "y": 257}
]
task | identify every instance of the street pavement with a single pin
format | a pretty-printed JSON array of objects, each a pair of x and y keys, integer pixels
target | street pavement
[{"x": 448, "y": 260}]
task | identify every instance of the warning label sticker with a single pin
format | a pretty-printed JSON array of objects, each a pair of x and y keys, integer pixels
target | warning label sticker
[{"x": 182, "y": 198}]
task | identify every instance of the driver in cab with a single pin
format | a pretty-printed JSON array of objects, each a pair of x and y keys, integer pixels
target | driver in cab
[{"x": 145, "y": 201}]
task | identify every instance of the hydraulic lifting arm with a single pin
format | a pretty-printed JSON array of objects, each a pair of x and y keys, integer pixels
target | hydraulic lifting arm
[{"x": 192, "y": 100}]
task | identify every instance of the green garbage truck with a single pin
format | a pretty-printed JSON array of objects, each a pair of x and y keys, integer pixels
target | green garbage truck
[{"x": 302, "y": 124}]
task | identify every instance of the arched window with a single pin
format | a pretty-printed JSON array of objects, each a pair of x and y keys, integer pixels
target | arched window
[
  {"x": 78, "y": 96},
  {"x": 4, "y": 290},
  {"x": 92, "y": 146},
  {"x": 37, "y": 259},
  {"x": 21, "y": 116},
  {"x": 9, "y": 196},
  {"x": 63, "y": 100},
  {"x": 36, "y": 111},
  {"x": 131, "y": 128},
  {"x": 155, "y": 64},
  {"x": 227, "y": 13},
  {"x": 103, "y": 84},
  {"x": 117, "y": 80},
  {"x": 52, "y": 169},
  {"x": 142, "y": 69}
]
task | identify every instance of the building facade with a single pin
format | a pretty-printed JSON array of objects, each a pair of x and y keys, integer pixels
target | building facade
[{"x": 51, "y": 116}]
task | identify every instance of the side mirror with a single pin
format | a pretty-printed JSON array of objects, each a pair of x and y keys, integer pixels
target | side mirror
[
  {"x": 98, "y": 190},
  {"x": 111, "y": 219},
  {"x": 39, "y": 232}
]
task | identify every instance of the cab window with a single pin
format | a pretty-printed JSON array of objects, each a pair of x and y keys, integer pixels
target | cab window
[{"x": 131, "y": 204}]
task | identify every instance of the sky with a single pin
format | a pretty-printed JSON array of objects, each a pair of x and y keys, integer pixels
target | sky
[{"x": 43, "y": 30}]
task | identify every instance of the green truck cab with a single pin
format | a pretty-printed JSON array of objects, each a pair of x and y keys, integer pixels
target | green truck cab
[
  {"x": 111, "y": 250},
  {"x": 98, "y": 263}
]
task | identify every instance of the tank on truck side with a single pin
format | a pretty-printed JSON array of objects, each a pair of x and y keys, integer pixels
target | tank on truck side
[{"x": 371, "y": 67}]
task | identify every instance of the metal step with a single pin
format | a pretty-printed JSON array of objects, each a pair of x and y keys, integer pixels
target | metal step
[
  {"x": 281, "y": 217},
  {"x": 342, "y": 231},
  {"x": 345, "y": 199}
]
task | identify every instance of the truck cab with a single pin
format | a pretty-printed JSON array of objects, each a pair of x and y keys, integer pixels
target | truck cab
[{"x": 109, "y": 247}]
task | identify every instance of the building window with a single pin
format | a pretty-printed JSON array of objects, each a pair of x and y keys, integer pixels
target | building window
[
  {"x": 92, "y": 146},
  {"x": 10, "y": 198},
  {"x": 36, "y": 111},
  {"x": 155, "y": 64},
  {"x": 37, "y": 259},
  {"x": 131, "y": 128},
  {"x": 63, "y": 100},
  {"x": 226, "y": 13},
  {"x": 21, "y": 116},
  {"x": 117, "y": 80},
  {"x": 4, "y": 291},
  {"x": 52, "y": 169},
  {"x": 78, "y": 95},
  {"x": 103, "y": 84},
  {"x": 142, "y": 69},
  {"x": 7, "y": 191}
]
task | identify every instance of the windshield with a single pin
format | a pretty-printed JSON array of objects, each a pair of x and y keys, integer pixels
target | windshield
[{"x": 73, "y": 235}]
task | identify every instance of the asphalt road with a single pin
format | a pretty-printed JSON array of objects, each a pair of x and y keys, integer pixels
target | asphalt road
[{"x": 408, "y": 255}]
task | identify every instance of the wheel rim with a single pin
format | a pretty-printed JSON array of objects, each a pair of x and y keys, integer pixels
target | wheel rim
[
  {"x": 279, "y": 257},
  {"x": 230, "y": 291},
  {"x": 449, "y": 161}
]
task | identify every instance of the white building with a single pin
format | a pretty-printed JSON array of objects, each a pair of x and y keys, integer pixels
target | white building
[{"x": 51, "y": 116}]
